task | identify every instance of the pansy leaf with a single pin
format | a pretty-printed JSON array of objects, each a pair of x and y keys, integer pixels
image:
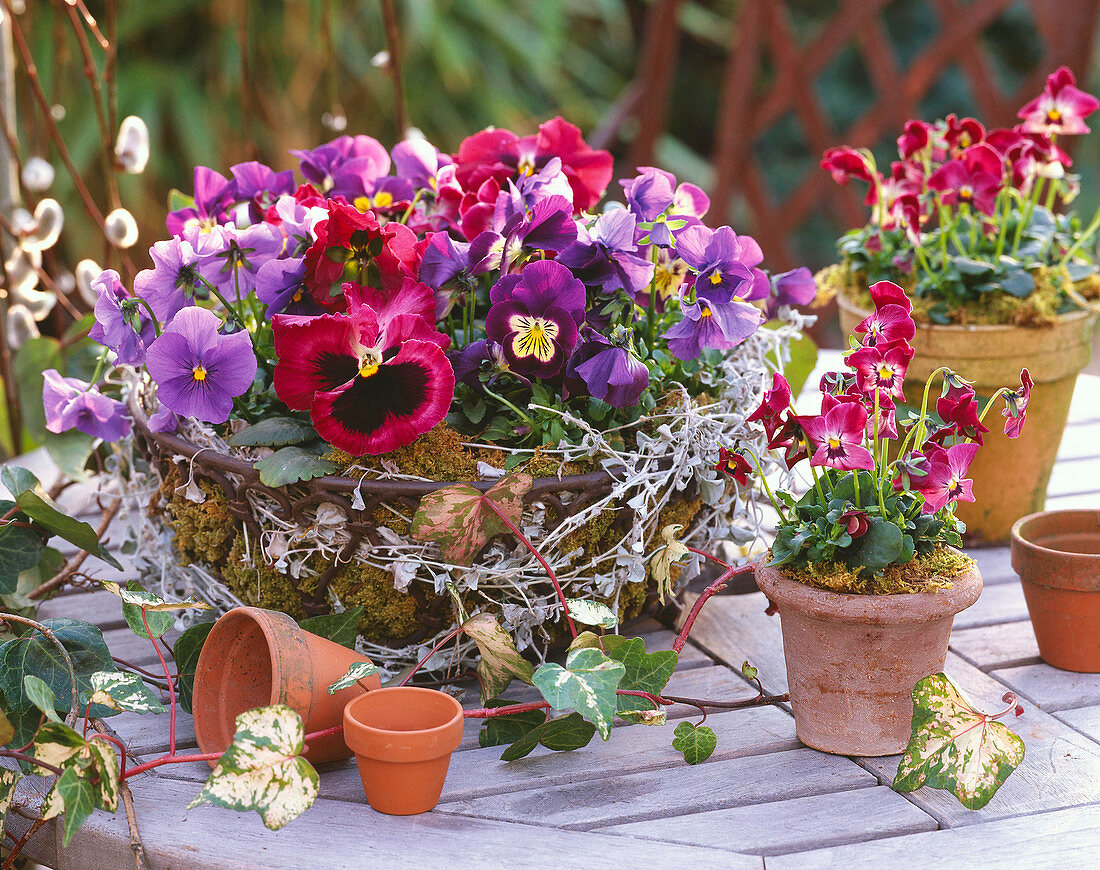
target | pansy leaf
[
  {"x": 356, "y": 672},
  {"x": 955, "y": 747},
  {"x": 159, "y": 621},
  {"x": 122, "y": 690},
  {"x": 561, "y": 734},
  {"x": 461, "y": 520},
  {"x": 500, "y": 661},
  {"x": 263, "y": 770},
  {"x": 697, "y": 742},
  {"x": 142, "y": 599},
  {"x": 273, "y": 432},
  {"x": 589, "y": 612},
  {"x": 644, "y": 672},
  {"x": 663, "y": 560},
  {"x": 20, "y": 550},
  {"x": 586, "y": 684},
  {"x": 341, "y": 628},
  {"x": 77, "y": 533},
  {"x": 292, "y": 464},
  {"x": 186, "y": 653},
  {"x": 42, "y": 696}
]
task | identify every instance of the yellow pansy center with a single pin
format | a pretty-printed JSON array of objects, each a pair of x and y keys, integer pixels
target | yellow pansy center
[
  {"x": 704, "y": 310},
  {"x": 198, "y": 373},
  {"x": 834, "y": 443},
  {"x": 1054, "y": 116},
  {"x": 966, "y": 193},
  {"x": 715, "y": 277},
  {"x": 533, "y": 336},
  {"x": 885, "y": 374}
]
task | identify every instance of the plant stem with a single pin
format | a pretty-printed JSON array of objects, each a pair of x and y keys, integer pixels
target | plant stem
[
  {"x": 817, "y": 484},
  {"x": 171, "y": 687},
  {"x": 1085, "y": 235},
  {"x": 450, "y": 636},
  {"x": 988, "y": 405},
  {"x": 707, "y": 555},
  {"x": 651, "y": 309},
  {"x": 29, "y": 759},
  {"x": 504, "y": 401},
  {"x": 767, "y": 488},
  {"x": 878, "y": 468},
  {"x": 714, "y": 588},
  {"x": 918, "y": 441}
]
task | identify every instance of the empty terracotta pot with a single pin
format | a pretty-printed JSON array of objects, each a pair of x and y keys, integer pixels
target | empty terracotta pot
[
  {"x": 1057, "y": 555},
  {"x": 853, "y": 660},
  {"x": 403, "y": 738},
  {"x": 253, "y": 658}
]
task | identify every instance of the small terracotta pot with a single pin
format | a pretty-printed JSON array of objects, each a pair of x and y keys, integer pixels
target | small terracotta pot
[
  {"x": 1057, "y": 555},
  {"x": 853, "y": 660},
  {"x": 253, "y": 658},
  {"x": 991, "y": 356},
  {"x": 403, "y": 738}
]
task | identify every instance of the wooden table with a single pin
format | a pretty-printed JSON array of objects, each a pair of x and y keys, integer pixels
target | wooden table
[{"x": 761, "y": 800}]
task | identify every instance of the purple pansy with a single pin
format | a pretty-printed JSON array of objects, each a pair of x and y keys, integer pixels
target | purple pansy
[
  {"x": 611, "y": 373},
  {"x": 535, "y": 317},
  {"x": 717, "y": 256},
  {"x": 606, "y": 255},
  {"x": 347, "y": 166},
  {"x": 170, "y": 285},
  {"x": 232, "y": 269},
  {"x": 280, "y": 286},
  {"x": 793, "y": 288},
  {"x": 214, "y": 194},
  {"x": 125, "y": 330},
  {"x": 197, "y": 370},
  {"x": 710, "y": 322},
  {"x": 74, "y": 404},
  {"x": 418, "y": 161},
  {"x": 259, "y": 186}
]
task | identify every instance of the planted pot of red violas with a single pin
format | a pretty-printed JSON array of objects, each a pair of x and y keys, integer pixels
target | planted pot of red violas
[
  {"x": 976, "y": 225},
  {"x": 864, "y": 570}
]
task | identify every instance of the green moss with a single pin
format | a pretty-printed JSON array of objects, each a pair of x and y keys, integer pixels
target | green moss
[
  {"x": 439, "y": 454},
  {"x": 935, "y": 570},
  {"x": 204, "y": 532},
  {"x": 260, "y": 585},
  {"x": 388, "y": 615}
]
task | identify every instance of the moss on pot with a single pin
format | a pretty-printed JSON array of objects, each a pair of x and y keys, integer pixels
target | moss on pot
[{"x": 926, "y": 573}]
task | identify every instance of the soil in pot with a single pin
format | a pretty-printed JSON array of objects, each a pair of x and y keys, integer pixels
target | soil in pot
[
  {"x": 853, "y": 660},
  {"x": 403, "y": 738},
  {"x": 253, "y": 658},
  {"x": 1057, "y": 555}
]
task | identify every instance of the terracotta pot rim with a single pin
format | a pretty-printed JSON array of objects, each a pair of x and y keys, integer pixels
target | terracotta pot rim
[
  {"x": 1037, "y": 565},
  {"x": 1068, "y": 516},
  {"x": 903, "y": 608},
  {"x": 1069, "y": 318},
  {"x": 392, "y": 691}
]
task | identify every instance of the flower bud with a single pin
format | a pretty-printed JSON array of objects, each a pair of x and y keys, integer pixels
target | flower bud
[
  {"x": 22, "y": 268},
  {"x": 38, "y": 302},
  {"x": 120, "y": 228},
  {"x": 132, "y": 145},
  {"x": 86, "y": 272},
  {"x": 65, "y": 281},
  {"x": 43, "y": 233},
  {"x": 21, "y": 327},
  {"x": 37, "y": 174}
]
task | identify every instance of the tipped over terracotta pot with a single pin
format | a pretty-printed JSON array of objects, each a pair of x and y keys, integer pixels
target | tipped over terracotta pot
[
  {"x": 853, "y": 660},
  {"x": 253, "y": 658},
  {"x": 1057, "y": 555},
  {"x": 403, "y": 738}
]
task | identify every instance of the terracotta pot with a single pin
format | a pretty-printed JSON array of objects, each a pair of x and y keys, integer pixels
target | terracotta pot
[
  {"x": 253, "y": 658},
  {"x": 991, "y": 356},
  {"x": 403, "y": 738},
  {"x": 1057, "y": 555},
  {"x": 853, "y": 660}
]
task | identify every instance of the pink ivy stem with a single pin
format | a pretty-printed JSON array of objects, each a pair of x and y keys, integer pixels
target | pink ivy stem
[
  {"x": 169, "y": 759},
  {"x": 493, "y": 712},
  {"x": 714, "y": 587},
  {"x": 110, "y": 738},
  {"x": 171, "y": 686},
  {"x": 707, "y": 555},
  {"x": 450, "y": 636},
  {"x": 549, "y": 571}
]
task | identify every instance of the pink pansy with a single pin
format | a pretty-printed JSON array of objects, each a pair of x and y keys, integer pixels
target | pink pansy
[
  {"x": 916, "y": 139},
  {"x": 845, "y": 163},
  {"x": 958, "y": 408},
  {"x": 945, "y": 480},
  {"x": 889, "y": 293},
  {"x": 889, "y": 325},
  {"x": 1015, "y": 409},
  {"x": 881, "y": 368},
  {"x": 777, "y": 401},
  {"x": 974, "y": 180},
  {"x": 1060, "y": 109},
  {"x": 837, "y": 437},
  {"x": 960, "y": 134}
]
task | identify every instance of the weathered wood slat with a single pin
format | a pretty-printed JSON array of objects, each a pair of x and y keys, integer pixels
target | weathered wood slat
[
  {"x": 675, "y": 791},
  {"x": 1083, "y": 719},
  {"x": 1051, "y": 688},
  {"x": 1006, "y": 644},
  {"x": 1000, "y": 602},
  {"x": 1079, "y": 440},
  {"x": 792, "y": 825},
  {"x": 338, "y": 835},
  {"x": 1051, "y": 841},
  {"x": 995, "y": 563},
  {"x": 148, "y": 734},
  {"x": 124, "y": 644},
  {"x": 100, "y": 608},
  {"x": 1061, "y": 768}
]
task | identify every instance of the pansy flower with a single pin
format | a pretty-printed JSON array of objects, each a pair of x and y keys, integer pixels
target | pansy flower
[
  {"x": 710, "y": 322},
  {"x": 259, "y": 186},
  {"x": 844, "y": 163},
  {"x": 199, "y": 371},
  {"x": 347, "y": 166},
  {"x": 837, "y": 437},
  {"x": 776, "y": 402},
  {"x": 418, "y": 161},
  {"x": 605, "y": 255},
  {"x": 732, "y": 464},
  {"x": 793, "y": 288},
  {"x": 958, "y": 408},
  {"x": 1015, "y": 409},
  {"x": 945, "y": 481},
  {"x": 882, "y": 368},
  {"x": 610, "y": 372},
  {"x": 974, "y": 180},
  {"x": 717, "y": 256},
  {"x": 170, "y": 285},
  {"x": 119, "y": 322},
  {"x": 370, "y": 388},
  {"x": 960, "y": 133},
  {"x": 1061, "y": 108},
  {"x": 856, "y": 522},
  {"x": 888, "y": 325},
  {"x": 535, "y": 316},
  {"x": 214, "y": 194},
  {"x": 280, "y": 285},
  {"x": 915, "y": 140},
  {"x": 889, "y": 293},
  {"x": 74, "y": 404},
  {"x": 233, "y": 266}
]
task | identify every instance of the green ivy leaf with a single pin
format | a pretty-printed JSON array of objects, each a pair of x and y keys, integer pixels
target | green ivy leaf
[
  {"x": 459, "y": 519},
  {"x": 273, "y": 432},
  {"x": 18, "y": 480},
  {"x": 500, "y": 661},
  {"x": 263, "y": 770},
  {"x": 293, "y": 464},
  {"x": 186, "y": 653},
  {"x": 141, "y": 599},
  {"x": 697, "y": 742},
  {"x": 561, "y": 734},
  {"x": 748, "y": 671},
  {"x": 356, "y": 672},
  {"x": 78, "y": 533},
  {"x": 122, "y": 690},
  {"x": 90, "y": 775},
  {"x": 56, "y": 743},
  {"x": 589, "y": 612},
  {"x": 72, "y": 795},
  {"x": 20, "y": 550},
  {"x": 644, "y": 672},
  {"x": 500, "y": 730},
  {"x": 341, "y": 628},
  {"x": 42, "y": 696},
  {"x": 955, "y": 747},
  {"x": 586, "y": 684},
  {"x": 70, "y": 452}
]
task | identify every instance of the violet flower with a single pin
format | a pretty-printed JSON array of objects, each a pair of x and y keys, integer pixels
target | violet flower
[
  {"x": 74, "y": 404},
  {"x": 170, "y": 285},
  {"x": 418, "y": 162},
  {"x": 719, "y": 259},
  {"x": 1060, "y": 109},
  {"x": 882, "y": 368},
  {"x": 197, "y": 370},
  {"x": 233, "y": 268},
  {"x": 119, "y": 322},
  {"x": 606, "y": 255},
  {"x": 890, "y": 324},
  {"x": 280, "y": 285},
  {"x": 837, "y": 437},
  {"x": 347, "y": 166},
  {"x": 708, "y": 322},
  {"x": 958, "y": 408},
  {"x": 793, "y": 288},
  {"x": 1015, "y": 409},
  {"x": 259, "y": 186},
  {"x": 610, "y": 372},
  {"x": 734, "y": 465},
  {"x": 214, "y": 194},
  {"x": 974, "y": 180}
]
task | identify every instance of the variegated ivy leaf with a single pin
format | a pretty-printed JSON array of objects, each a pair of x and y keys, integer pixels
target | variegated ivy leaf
[
  {"x": 645, "y": 672},
  {"x": 589, "y": 612},
  {"x": 74, "y": 795},
  {"x": 122, "y": 690},
  {"x": 263, "y": 770},
  {"x": 955, "y": 747},
  {"x": 663, "y": 560},
  {"x": 500, "y": 661},
  {"x": 585, "y": 638},
  {"x": 697, "y": 742},
  {"x": 9, "y": 779},
  {"x": 89, "y": 779},
  {"x": 460, "y": 519},
  {"x": 55, "y": 743},
  {"x": 149, "y": 601},
  {"x": 644, "y": 717},
  {"x": 586, "y": 684},
  {"x": 356, "y": 672}
]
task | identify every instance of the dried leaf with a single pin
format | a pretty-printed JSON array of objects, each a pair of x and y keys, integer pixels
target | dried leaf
[
  {"x": 663, "y": 560},
  {"x": 500, "y": 661}
]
